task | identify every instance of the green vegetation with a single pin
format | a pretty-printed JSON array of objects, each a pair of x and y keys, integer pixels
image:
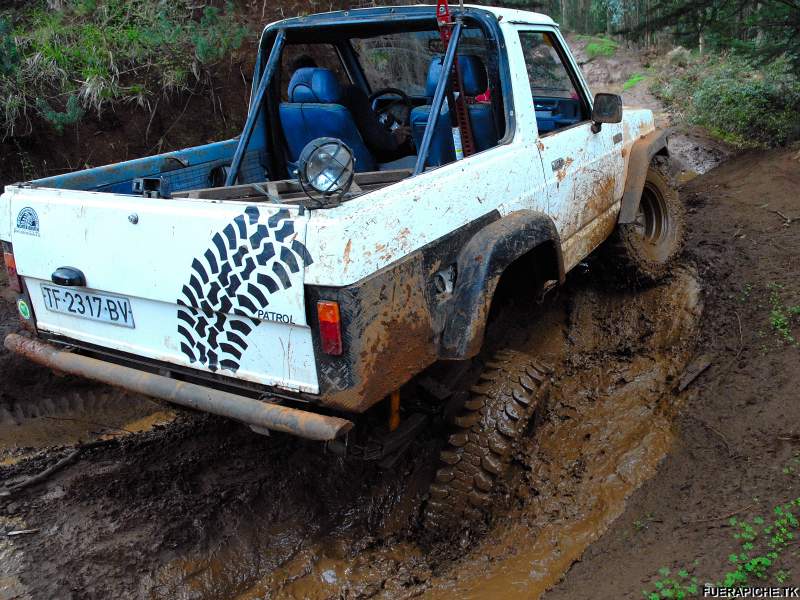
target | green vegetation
[
  {"x": 792, "y": 467},
  {"x": 757, "y": 559},
  {"x": 59, "y": 64},
  {"x": 633, "y": 80},
  {"x": 781, "y": 315},
  {"x": 599, "y": 46},
  {"x": 680, "y": 585},
  {"x": 744, "y": 104}
]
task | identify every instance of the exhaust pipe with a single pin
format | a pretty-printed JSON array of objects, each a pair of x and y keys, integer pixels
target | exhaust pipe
[{"x": 259, "y": 415}]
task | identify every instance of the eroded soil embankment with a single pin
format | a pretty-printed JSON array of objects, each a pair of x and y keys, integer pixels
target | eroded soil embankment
[{"x": 203, "y": 508}]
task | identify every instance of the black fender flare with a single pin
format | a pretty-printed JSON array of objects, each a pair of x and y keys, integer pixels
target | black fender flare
[
  {"x": 642, "y": 153},
  {"x": 480, "y": 265}
]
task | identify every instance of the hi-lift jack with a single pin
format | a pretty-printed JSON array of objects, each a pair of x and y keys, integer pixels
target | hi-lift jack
[{"x": 463, "y": 141}]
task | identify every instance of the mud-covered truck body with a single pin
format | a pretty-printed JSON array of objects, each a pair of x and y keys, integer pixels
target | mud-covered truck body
[{"x": 224, "y": 277}]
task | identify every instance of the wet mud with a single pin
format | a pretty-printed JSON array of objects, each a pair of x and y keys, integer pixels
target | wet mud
[{"x": 198, "y": 507}]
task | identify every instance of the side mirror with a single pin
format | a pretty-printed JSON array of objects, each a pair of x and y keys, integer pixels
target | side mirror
[{"x": 607, "y": 109}]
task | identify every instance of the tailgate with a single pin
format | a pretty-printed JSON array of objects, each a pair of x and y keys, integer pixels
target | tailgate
[{"x": 217, "y": 286}]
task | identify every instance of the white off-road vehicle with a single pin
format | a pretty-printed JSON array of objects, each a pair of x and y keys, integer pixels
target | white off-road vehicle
[{"x": 296, "y": 276}]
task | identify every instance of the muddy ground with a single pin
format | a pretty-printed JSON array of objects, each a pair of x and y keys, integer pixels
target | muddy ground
[
  {"x": 622, "y": 473},
  {"x": 203, "y": 508}
]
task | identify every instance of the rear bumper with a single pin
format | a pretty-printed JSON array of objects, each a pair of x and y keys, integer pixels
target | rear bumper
[{"x": 259, "y": 415}]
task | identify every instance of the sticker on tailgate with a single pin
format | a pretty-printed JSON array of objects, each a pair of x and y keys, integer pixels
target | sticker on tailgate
[{"x": 115, "y": 310}]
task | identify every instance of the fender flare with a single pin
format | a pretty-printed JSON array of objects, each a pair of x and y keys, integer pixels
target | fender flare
[
  {"x": 642, "y": 153},
  {"x": 481, "y": 263}
]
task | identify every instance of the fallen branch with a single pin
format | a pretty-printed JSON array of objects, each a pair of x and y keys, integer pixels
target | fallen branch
[
  {"x": 731, "y": 453},
  {"x": 22, "y": 532},
  {"x": 94, "y": 423},
  {"x": 71, "y": 457},
  {"x": 787, "y": 220},
  {"x": 719, "y": 518}
]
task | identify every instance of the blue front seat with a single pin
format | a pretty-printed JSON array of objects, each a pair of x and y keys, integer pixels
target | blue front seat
[
  {"x": 473, "y": 75},
  {"x": 314, "y": 111}
]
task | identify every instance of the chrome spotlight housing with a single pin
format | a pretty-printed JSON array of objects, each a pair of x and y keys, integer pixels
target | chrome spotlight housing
[{"x": 325, "y": 170}]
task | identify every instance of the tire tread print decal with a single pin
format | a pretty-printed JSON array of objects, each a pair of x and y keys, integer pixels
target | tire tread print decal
[{"x": 249, "y": 260}]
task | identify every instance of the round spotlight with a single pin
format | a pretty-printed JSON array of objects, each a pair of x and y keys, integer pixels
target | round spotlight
[{"x": 326, "y": 166}]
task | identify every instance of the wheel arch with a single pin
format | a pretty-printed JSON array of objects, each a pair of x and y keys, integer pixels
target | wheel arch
[
  {"x": 642, "y": 153},
  {"x": 524, "y": 235}
]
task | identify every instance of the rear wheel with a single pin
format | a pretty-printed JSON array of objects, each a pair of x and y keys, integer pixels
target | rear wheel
[
  {"x": 477, "y": 454},
  {"x": 644, "y": 250}
]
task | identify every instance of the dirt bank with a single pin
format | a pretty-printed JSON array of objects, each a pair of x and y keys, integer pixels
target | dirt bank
[{"x": 738, "y": 437}]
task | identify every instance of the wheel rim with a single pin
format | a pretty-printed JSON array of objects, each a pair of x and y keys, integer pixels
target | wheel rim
[{"x": 652, "y": 218}]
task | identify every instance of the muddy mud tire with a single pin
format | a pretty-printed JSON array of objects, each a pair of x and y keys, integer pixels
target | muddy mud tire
[
  {"x": 478, "y": 452},
  {"x": 642, "y": 252}
]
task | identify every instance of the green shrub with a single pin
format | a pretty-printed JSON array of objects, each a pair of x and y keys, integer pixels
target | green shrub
[
  {"x": 742, "y": 104},
  {"x": 94, "y": 53},
  {"x": 9, "y": 55},
  {"x": 60, "y": 119}
]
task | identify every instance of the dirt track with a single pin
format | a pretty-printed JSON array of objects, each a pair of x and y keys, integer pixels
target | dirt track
[
  {"x": 204, "y": 508},
  {"x": 175, "y": 505}
]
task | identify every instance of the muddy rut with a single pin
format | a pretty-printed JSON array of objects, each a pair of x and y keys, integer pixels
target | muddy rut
[{"x": 189, "y": 506}]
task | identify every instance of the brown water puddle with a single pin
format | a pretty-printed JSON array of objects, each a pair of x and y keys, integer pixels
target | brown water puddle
[
  {"x": 28, "y": 427},
  {"x": 607, "y": 425}
]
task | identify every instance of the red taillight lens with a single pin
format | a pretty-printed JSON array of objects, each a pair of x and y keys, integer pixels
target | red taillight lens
[
  {"x": 330, "y": 327},
  {"x": 14, "y": 280}
]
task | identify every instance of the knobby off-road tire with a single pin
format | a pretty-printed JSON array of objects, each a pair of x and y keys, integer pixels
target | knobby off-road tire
[
  {"x": 643, "y": 251},
  {"x": 478, "y": 453}
]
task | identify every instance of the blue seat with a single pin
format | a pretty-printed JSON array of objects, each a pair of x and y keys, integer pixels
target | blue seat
[
  {"x": 556, "y": 113},
  {"x": 484, "y": 131},
  {"x": 314, "y": 111}
]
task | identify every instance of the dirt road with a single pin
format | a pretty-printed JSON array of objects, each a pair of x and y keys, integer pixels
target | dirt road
[{"x": 168, "y": 504}]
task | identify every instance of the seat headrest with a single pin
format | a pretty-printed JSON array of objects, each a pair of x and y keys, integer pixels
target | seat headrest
[
  {"x": 473, "y": 74},
  {"x": 312, "y": 84}
]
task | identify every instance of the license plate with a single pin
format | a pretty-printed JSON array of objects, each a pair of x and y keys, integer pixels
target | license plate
[{"x": 88, "y": 305}]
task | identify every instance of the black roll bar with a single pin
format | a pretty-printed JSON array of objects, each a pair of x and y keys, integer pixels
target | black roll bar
[{"x": 255, "y": 106}]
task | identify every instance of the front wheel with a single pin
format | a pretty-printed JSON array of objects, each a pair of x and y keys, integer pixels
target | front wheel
[{"x": 644, "y": 250}]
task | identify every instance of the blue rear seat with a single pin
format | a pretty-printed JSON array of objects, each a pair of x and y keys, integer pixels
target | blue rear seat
[
  {"x": 314, "y": 111},
  {"x": 473, "y": 74}
]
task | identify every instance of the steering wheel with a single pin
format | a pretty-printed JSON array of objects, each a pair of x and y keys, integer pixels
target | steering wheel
[{"x": 387, "y": 115}]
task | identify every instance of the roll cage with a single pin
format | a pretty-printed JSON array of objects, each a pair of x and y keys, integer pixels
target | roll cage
[{"x": 336, "y": 29}]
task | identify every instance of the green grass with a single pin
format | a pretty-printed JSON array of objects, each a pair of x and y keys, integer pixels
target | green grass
[
  {"x": 758, "y": 560},
  {"x": 633, "y": 80},
  {"x": 599, "y": 46},
  {"x": 60, "y": 65},
  {"x": 782, "y": 316}
]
